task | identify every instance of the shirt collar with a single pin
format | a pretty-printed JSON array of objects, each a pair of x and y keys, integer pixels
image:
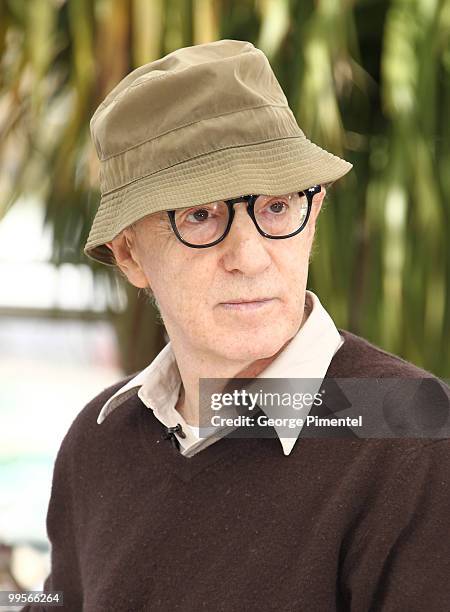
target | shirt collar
[{"x": 309, "y": 352}]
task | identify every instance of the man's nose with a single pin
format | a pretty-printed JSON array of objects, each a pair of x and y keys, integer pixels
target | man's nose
[{"x": 244, "y": 248}]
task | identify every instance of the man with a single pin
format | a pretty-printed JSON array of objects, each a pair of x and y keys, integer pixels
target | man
[{"x": 210, "y": 198}]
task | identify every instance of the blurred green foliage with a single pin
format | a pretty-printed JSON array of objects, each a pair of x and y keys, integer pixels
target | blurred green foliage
[{"x": 368, "y": 80}]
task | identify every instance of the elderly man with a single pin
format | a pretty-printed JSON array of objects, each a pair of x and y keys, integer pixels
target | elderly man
[{"x": 210, "y": 198}]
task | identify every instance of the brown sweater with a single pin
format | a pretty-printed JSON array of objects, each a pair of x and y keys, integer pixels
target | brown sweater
[{"x": 340, "y": 524}]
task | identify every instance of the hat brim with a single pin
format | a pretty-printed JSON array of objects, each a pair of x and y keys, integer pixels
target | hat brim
[{"x": 270, "y": 168}]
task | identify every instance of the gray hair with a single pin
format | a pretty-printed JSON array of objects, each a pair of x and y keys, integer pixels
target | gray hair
[{"x": 151, "y": 299}]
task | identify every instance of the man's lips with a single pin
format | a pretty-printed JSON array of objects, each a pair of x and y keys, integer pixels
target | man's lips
[
  {"x": 240, "y": 301},
  {"x": 243, "y": 305}
]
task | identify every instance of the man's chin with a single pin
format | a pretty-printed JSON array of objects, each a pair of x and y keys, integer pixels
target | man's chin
[{"x": 248, "y": 348}]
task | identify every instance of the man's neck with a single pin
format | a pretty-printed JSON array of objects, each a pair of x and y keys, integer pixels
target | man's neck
[{"x": 188, "y": 403}]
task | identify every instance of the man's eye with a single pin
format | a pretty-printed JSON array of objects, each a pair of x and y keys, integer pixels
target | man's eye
[
  {"x": 201, "y": 214},
  {"x": 277, "y": 207}
]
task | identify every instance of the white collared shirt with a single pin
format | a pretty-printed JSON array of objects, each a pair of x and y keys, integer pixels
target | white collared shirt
[{"x": 310, "y": 352}]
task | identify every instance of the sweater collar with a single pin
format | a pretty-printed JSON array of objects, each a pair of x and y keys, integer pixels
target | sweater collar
[{"x": 309, "y": 353}]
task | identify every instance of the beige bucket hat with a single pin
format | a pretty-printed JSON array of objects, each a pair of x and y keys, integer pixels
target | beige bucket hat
[{"x": 201, "y": 124}]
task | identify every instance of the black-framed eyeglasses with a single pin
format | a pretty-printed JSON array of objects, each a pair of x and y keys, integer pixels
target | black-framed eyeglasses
[{"x": 275, "y": 217}]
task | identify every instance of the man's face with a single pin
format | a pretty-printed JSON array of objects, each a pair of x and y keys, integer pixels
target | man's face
[{"x": 195, "y": 287}]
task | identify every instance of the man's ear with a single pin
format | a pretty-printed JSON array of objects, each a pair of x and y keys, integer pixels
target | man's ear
[
  {"x": 124, "y": 248},
  {"x": 317, "y": 205}
]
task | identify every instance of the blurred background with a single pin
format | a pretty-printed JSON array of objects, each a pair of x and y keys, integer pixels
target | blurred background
[{"x": 367, "y": 80}]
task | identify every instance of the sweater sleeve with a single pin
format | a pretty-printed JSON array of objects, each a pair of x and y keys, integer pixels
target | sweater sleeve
[
  {"x": 402, "y": 560},
  {"x": 64, "y": 573}
]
